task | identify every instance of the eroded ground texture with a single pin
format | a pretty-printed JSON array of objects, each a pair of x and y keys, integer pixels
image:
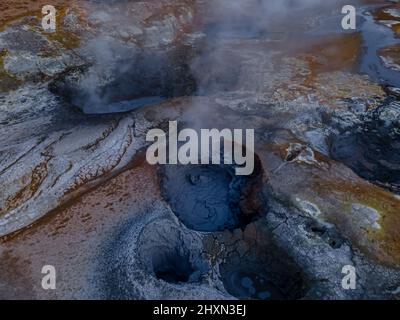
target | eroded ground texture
[{"x": 76, "y": 191}]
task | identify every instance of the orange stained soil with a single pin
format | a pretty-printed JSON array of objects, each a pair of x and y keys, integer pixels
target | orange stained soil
[
  {"x": 382, "y": 14},
  {"x": 392, "y": 53},
  {"x": 334, "y": 53},
  {"x": 74, "y": 236}
]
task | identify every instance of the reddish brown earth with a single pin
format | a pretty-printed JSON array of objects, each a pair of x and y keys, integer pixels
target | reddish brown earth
[{"x": 73, "y": 235}]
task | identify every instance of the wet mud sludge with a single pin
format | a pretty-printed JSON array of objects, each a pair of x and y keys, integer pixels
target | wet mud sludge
[
  {"x": 266, "y": 277},
  {"x": 211, "y": 197}
]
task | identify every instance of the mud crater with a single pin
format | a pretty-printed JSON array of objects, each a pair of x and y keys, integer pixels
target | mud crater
[
  {"x": 265, "y": 272},
  {"x": 135, "y": 79},
  {"x": 212, "y": 198},
  {"x": 165, "y": 252}
]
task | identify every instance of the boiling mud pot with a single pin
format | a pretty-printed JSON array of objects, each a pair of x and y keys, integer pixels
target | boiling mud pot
[
  {"x": 211, "y": 197},
  {"x": 256, "y": 284},
  {"x": 247, "y": 284},
  {"x": 266, "y": 275}
]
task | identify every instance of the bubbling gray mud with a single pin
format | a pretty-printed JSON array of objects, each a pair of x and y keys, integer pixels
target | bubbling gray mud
[
  {"x": 253, "y": 281},
  {"x": 264, "y": 271},
  {"x": 200, "y": 196},
  {"x": 211, "y": 197}
]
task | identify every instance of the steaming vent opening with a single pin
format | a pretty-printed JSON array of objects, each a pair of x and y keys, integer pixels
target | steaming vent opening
[
  {"x": 171, "y": 266},
  {"x": 127, "y": 81},
  {"x": 167, "y": 253}
]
